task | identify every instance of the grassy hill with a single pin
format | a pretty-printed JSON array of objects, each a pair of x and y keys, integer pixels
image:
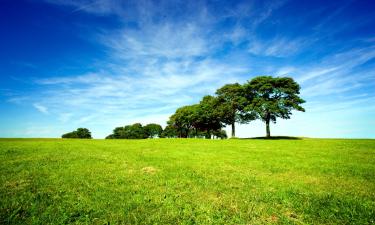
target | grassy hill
[{"x": 173, "y": 181}]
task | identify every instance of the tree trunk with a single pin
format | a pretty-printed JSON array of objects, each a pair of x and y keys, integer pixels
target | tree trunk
[
  {"x": 268, "y": 128},
  {"x": 233, "y": 130}
]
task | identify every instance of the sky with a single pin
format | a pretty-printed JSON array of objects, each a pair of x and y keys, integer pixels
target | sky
[{"x": 101, "y": 64}]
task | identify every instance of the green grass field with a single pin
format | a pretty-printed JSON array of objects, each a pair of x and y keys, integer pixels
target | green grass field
[{"x": 177, "y": 181}]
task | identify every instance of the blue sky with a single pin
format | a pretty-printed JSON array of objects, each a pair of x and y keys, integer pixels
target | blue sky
[{"x": 100, "y": 64}]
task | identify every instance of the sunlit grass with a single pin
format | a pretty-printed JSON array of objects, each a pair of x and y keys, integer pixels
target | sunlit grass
[{"x": 171, "y": 181}]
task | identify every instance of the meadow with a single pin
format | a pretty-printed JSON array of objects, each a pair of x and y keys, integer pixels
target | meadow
[{"x": 187, "y": 181}]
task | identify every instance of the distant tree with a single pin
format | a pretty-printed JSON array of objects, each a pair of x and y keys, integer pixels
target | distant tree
[
  {"x": 270, "y": 97},
  {"x": 135, "y": 131},
  {"x": 231, "y": 106},
  {"x": 82, "y": 133},
  {"x": 222, "y": 134},
  {"x": 169, "y": 132},
  {"x": 153, "y": 130},
  {"x": 111, "y": 136},
  {"x": 72, "y": 134},
  {"x": 119, "y": 133}
]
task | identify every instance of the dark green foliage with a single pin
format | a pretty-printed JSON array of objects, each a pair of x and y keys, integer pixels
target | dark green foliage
[
  {"x": 82, "y": 133},
  {"x": 184, "y": 120},
  {"x": 263, "y": 97},
  {"x": 222, "y": 134},
  {"x": 232, "y": 101},
  {"x": 136, "y": 131},
  {"x": 153, "y": 130},
  {"x": 208, "y": 117},
  {"x": 169, "y": 132},
  {"x": 270, "y": 97},
  {"x": 111, "y": 136},
  {"x": 199, "y": 120},
  {"x": 72, "y": 134}
]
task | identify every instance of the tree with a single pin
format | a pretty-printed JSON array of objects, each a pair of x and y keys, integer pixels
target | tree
[
  {"x": 118, "y": 133},
  {"x": 72, "y": 134},
  {"x": 135, "y": 131},
  {"x": 111, "y": 136},
  {"x": 183, "y": 120},
  {"x": 82, "y": 133},
  {"x": 270, "y": 97},
  {"x": 169, "y": 132},
  {"x": 153, "y": 130},
  {"x": 231, "y": 104},
  {"x": 207, "y": 117},
  {"x": 222, "y": 134}
]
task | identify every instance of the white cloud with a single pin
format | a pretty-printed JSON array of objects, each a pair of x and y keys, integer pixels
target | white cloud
[{"x": 41, "y": 108}]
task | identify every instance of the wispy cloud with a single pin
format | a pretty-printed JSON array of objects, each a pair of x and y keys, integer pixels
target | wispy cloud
[
  {"x": 278, "y": 47},
  {"x": 41, "y": 108}
]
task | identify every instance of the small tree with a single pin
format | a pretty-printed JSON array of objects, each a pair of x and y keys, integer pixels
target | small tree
[
  {"x": 72, "y": 134},
  {"x": 270, "y": 97},
  {"x": 111, "y": 136},
  {"x": 169, "y": 132},
  {"x": 153, "y": 130},
  {"x": 222, "y": 134},
  {"x": 82, "y": 133}
]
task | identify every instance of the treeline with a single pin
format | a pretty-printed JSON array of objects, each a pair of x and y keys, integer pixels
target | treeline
[
  {"x": 265, "y": 97},
  {"x": 137, "y": 131}
]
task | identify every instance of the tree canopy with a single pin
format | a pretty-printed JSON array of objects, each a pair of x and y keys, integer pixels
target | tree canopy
[
  {"x": 272, "y": 97},
  {"x": 153, "y": 130},
  {"x": 231, "y": 103}
]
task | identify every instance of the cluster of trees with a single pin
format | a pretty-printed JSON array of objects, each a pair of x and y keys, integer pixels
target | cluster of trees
[
  {"x": 137, "y": 131},
  {"x": 264, "y": 97},
  {"x": 82, "y": 133}
]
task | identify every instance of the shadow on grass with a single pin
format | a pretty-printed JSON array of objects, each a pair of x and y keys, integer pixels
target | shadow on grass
[{"x": 273, "y": 138}]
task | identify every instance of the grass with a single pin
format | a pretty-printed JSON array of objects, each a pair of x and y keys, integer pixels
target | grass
[{"x": 176, "y": 181}]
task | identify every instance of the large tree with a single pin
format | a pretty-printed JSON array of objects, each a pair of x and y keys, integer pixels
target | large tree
[
  {"x": 231, "y": 104},
  {"x": 272, "y": 97}
]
